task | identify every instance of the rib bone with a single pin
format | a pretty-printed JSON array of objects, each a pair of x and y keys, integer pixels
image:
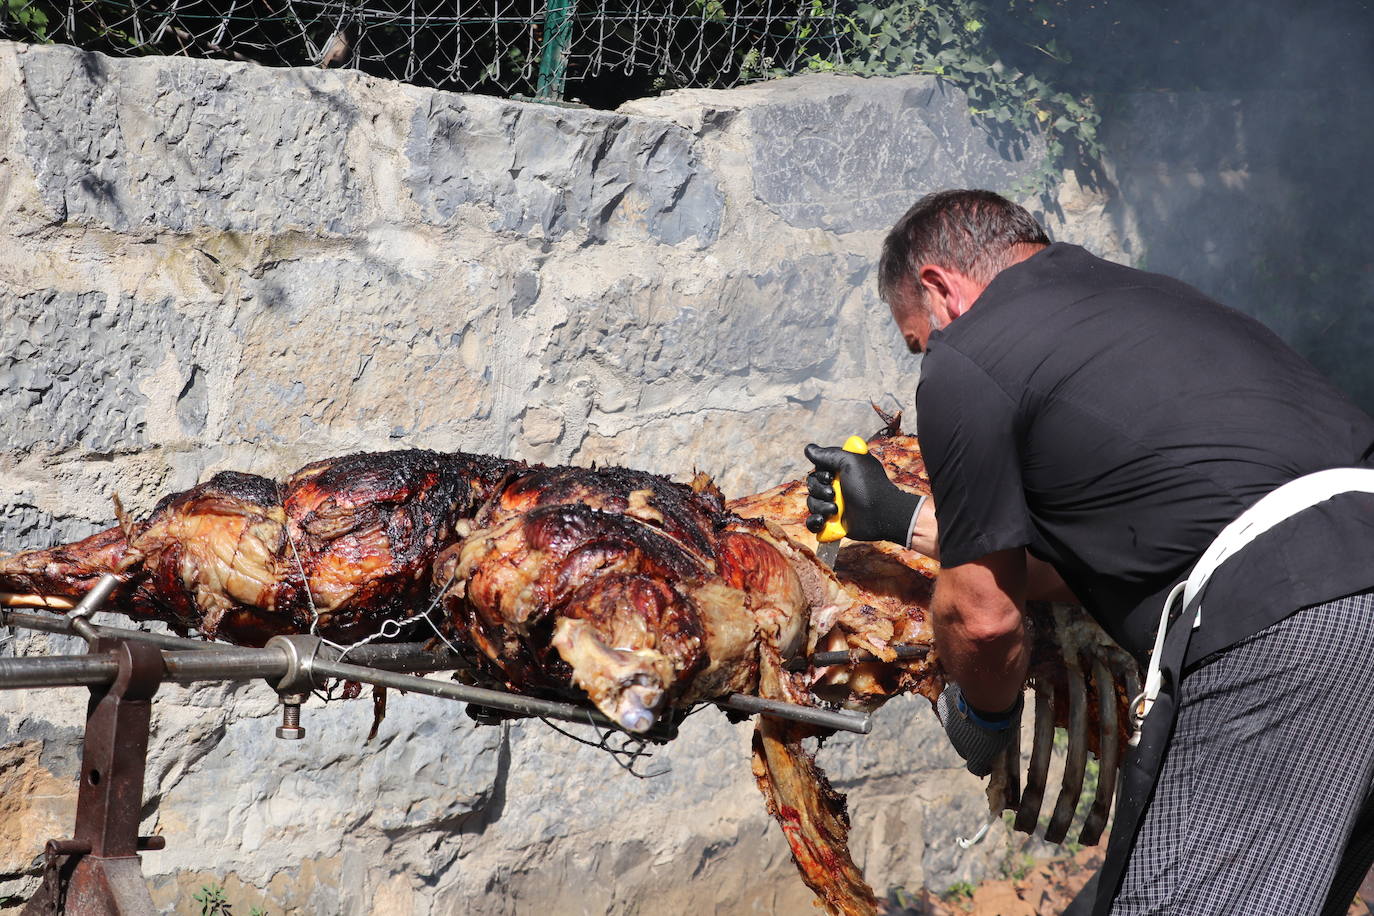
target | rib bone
[
  {"x": 1029, "y": 813},
  {"x": 1096, "y": 821},
  {"x": 1004, "y": 788},
  {"x": 1077, "y": 761}
]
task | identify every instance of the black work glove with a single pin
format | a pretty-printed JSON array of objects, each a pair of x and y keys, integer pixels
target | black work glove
[
  {"x": 875, "y": 509},
  {"x": 979, "y": 737}
]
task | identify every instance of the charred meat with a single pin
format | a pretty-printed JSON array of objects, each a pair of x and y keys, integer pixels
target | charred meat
[{"x": 641, "y": 594}]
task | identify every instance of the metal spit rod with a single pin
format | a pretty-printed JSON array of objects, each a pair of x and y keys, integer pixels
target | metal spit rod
[
  {"x": 277, "y": 663},
  {"x": 845, "y": 657},
  {"x": 186, "y": 667},
  {"x": 394, "y": 656}
]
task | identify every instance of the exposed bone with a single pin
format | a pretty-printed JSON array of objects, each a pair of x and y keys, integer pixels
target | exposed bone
[
  {"x": 1004, "y": 786},
  {"x": 1077, "y": 761},
  {"x": 9, "y": 599},
  {"x": 1038, "y": 773},
  {"x": 813, "y": 818},
  {"x": 1096, "y": 821}
]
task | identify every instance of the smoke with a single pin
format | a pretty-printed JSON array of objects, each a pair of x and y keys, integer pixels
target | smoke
[{"x": 1242, "y": 141}]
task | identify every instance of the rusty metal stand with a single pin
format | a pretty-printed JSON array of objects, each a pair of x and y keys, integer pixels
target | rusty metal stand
[{"x": 98, "y": 872}]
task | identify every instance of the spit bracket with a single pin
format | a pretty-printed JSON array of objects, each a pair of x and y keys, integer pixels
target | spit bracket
[{"x": 98, "y": 871}]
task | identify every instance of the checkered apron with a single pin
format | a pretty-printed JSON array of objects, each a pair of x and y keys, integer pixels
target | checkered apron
[
  {"x": 1267, "y": 777},
  {"x": 1275, "y": 749}
]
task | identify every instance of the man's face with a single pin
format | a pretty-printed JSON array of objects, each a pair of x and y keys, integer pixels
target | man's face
[{"x": 914, "y": 318}]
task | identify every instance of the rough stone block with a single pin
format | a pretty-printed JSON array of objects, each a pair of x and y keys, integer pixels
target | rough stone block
[
  {"x": 74, "y": 365},
  {"x": 847, "y": 154},
  {"x": 546, "y": 171},
  {"x": 188, "y": 144}
]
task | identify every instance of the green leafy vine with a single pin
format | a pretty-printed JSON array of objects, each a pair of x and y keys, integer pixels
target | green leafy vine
[
  {"x": 950, "y": 39},
  {"x": 27, "y": 19}
]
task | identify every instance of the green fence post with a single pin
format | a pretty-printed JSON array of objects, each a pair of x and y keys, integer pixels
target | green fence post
[{"x": 553, "y": 56}]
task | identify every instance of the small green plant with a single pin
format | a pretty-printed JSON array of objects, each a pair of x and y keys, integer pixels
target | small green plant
[
  {"x": 213, "y": 901},
  {"x": 1017, "y": 865},
  {"x": 959, "y": 890},
  {"x": 903, "y": 899}
]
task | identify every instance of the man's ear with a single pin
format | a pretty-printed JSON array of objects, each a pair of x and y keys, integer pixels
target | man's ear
[{"x": 935, "y": 280}]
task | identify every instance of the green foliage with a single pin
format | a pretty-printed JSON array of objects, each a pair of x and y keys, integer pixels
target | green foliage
[
  {"x": 1017, "y": 865},
  {"x": 710, "y": 9},
  {"x": 959, "y": 890},
  {"x": 213, "y": 901},
  {"x": 25, "y": 18},
  {"x": 903, "y": 899},
  {"x": 950, "y": 39}
]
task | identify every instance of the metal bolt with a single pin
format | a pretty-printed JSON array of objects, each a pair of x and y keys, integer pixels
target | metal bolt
[{"x": 290, "y": 727}]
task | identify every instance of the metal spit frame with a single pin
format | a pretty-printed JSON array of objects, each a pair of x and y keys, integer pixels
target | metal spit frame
[{"x": 98, "y": 870}]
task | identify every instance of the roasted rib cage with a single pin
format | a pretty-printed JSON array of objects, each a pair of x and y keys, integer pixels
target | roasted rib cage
[
  {"x": 641, "y": 594},
  {"x": 1081, "y": 680}
]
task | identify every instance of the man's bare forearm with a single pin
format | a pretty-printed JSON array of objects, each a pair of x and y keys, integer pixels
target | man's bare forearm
[
  {"x": 925, "y": 533},
  {"x": 980, "y": 631},
  {"x": 1043, "y": 582}
]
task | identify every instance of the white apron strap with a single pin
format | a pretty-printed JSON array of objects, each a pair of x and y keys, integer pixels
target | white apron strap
[{"x": 1283, "y": 503}]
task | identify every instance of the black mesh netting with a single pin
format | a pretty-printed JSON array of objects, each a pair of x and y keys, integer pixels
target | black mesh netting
[{"x": 597, "y": 52}]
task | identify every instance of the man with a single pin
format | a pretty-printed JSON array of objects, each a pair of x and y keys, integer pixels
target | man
[{"x": 1089, "y": 430}]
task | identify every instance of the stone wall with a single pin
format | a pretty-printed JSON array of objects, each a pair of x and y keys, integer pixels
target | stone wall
[{"x": 213, "y": 266}]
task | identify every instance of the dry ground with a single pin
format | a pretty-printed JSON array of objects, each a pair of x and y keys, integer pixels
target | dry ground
[{"x": 1045, "y": 888}]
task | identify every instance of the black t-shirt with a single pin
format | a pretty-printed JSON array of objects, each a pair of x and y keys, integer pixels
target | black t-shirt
[{"x": 1113, "y": 421}]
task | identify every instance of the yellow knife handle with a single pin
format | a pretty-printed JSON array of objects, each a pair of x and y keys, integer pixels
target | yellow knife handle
[{"x": 834, "y": 526}]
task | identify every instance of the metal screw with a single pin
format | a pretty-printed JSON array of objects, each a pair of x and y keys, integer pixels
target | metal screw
[{"x": 290, "y": 727}]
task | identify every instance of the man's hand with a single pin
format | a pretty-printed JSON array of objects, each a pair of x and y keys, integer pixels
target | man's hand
[
  {"x": 875, "y": 509},
  {"x": 979, "y": 737}
]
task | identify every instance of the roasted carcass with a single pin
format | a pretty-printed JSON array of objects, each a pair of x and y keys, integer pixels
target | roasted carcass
[
  {"x": 643, "y": 594},
  {"x": 639, "y": 592},
  {"x": 337, "y": 549}
]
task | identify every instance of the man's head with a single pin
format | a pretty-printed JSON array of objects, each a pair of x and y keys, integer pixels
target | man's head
[{"x": 945, "y": 251}]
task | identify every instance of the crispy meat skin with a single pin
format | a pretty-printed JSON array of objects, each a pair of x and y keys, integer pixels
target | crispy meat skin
[
  {"x": 232, "y": 556},
  {"x": 636, "y": 590}
]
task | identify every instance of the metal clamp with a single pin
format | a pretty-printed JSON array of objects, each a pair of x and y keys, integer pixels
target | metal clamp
[
  {"x": 78, "y": 621},
  {"x": 300, "y": 653},
  {"x": 295, "y": 685}
]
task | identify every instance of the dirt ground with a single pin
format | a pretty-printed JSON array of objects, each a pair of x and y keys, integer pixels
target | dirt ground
[{"x": 1044, "y": 888}]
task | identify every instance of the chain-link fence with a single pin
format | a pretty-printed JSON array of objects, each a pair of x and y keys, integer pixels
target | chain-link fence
[{"x": 599, "y": 51}]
